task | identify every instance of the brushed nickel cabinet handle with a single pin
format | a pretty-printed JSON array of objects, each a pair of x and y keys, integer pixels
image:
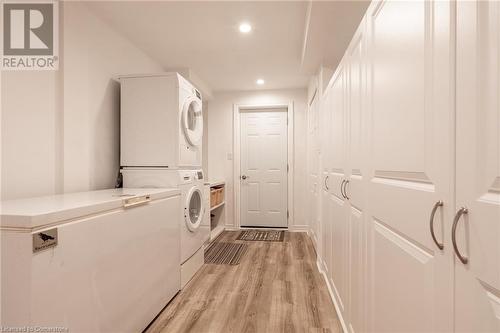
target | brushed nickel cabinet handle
[
  {"x": 342, "y": 188},
  {"x": 345, "y": 189},
  {"x": 459, "y": 214},
  {"x": 431, "y": 223},
  {"x": 326, "y": 182}
]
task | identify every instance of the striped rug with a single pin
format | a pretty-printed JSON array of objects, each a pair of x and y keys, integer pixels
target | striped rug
[
  {"x": 262, "y": 235},
  {"x": 221, "y": 253}
]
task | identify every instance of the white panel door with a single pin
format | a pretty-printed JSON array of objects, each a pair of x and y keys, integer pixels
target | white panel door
[
  {"x": 337, "y": 174},
  {"x": 326, "y": 226},
  {"x": 264, "y": 168},
  {"x": 477, "y": 282},
  {"x": 411, "y": 165},
  {"x": 314, "y": 188},
  {"x": 325, "y": 137},
  {"x": 354, "y": 188}
]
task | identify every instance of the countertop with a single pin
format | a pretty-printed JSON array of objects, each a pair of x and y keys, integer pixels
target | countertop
[{"x": 215, "y": 182}]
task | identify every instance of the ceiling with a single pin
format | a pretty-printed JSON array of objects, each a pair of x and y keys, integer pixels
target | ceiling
[{"x": 287, "y": 44}]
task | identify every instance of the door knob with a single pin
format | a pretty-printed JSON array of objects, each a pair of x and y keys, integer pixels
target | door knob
[{"x": 244, "y": 177}]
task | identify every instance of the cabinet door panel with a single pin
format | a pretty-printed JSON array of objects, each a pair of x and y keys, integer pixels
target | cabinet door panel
[
  {"x": 410, "y": 164},
  {"x": 339, "y": 248},
  {"x": 314, "y": 190},
  {"x": 326, "y": 130},
  {"x": 338, "y": 137},
  {"x": 356, "y": 171},
  {"x": 326, "y": 245},
  {"x": 357, "y": 294},
  {"x": 477, "y": 291},
  {"x": 339, "y": 230},
  {"x": 325, "y": 155}
]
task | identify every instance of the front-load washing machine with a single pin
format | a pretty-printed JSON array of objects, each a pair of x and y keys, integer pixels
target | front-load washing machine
[
  {"x": 161, "y": 122},
  {"x": 194, "y": 231}
]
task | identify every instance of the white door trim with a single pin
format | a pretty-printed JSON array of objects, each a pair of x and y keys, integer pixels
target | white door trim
[{"x": 237, "y": 154}]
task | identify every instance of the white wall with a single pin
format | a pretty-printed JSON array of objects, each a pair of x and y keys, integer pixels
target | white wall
[
  {"x": 60, "y": 130},
  {"x": 220, "y": 143},
  {"x": 93, "y": 55},
  {"x": 28, "y": 133}
]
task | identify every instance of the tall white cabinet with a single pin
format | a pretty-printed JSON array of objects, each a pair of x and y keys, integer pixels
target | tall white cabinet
[
  {"x": 477, "y": 282},
  {"x": 410, "y": 111},
  {"x": 410, "y": 170},
  {"x": 313, "y": 155}
]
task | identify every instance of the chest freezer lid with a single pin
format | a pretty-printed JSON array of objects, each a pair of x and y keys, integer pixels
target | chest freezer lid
[{"x": 37, "y": 212}]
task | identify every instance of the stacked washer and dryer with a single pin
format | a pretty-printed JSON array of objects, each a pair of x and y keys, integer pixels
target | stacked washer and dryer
[{"x": 161, "y": 146}]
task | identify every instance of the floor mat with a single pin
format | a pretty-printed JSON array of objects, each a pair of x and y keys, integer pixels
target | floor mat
[
  {"x": 262, "y": 235},
  {"x": 222, "y": 253}
]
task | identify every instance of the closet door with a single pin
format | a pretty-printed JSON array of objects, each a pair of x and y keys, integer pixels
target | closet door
[
  {"x": 477, "y": 279},
  {"x": 411, "y": 165},
  {"x": 337, "y": 146},
  {"x": 325, "y": 134},
  {"x": 313, "y": 168},
  {"x": 354, "y": 189}
]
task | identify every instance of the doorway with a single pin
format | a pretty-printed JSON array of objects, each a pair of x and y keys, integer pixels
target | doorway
[{"x": 263, "y": 167}]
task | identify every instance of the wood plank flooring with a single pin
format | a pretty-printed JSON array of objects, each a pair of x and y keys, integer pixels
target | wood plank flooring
[{"x": 275, "y": 288}]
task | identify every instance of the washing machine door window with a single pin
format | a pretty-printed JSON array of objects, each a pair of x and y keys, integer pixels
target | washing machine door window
[
  {"x": 192, "y": 121},
  {"x": 194, "y": 209}
]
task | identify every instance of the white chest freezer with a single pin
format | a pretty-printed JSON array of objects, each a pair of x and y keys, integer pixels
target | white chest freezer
[{"x": 101, "y": 261}]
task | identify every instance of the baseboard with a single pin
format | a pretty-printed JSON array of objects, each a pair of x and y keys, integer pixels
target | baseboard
[
  {"x": 299, "y": 228},
  {"x": 320, "y": 266},
  {"x": 314, "y": 239}
]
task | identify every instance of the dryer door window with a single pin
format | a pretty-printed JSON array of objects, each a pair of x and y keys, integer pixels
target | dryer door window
[
  {"x": 192, "y": 121},
  {"x": 194, "y": 209}
]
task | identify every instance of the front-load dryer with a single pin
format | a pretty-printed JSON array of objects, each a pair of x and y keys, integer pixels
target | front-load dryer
[
  {"x": 161, "y": 122},
  {"x": 194, "y": 233}
]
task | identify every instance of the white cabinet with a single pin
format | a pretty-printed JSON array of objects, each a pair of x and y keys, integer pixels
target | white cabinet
[
  {"x": 325, "y": 227},
  {"x": 410, "y": 164},
  {"x": 477, "y": 283},
  {"x": 313, "y": 168},
  {"x": 356, "y": 177},
  {"x": 337, "y": 172},
  {"x": 411, "y": 126}
]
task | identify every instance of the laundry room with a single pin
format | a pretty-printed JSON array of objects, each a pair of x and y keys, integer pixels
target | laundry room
[{"x": 250, "y": 166}]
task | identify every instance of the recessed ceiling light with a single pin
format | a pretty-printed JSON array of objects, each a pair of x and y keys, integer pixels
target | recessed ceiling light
[
  {"x": 260, "y": 82},
  {"x": 245, "y": 28}
]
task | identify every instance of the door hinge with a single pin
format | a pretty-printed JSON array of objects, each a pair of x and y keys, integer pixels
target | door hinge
[
  {"x": 287, "y": 168},
  {"x": 287, "y": 214}
]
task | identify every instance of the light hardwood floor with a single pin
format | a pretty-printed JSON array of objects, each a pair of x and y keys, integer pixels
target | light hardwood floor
[{"x": 275, "y": 288}]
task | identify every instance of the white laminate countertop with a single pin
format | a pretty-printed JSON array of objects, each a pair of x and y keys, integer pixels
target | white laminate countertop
[
  {"x": 216, "y": 183},
  {"x": 36, "y": 212}
]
